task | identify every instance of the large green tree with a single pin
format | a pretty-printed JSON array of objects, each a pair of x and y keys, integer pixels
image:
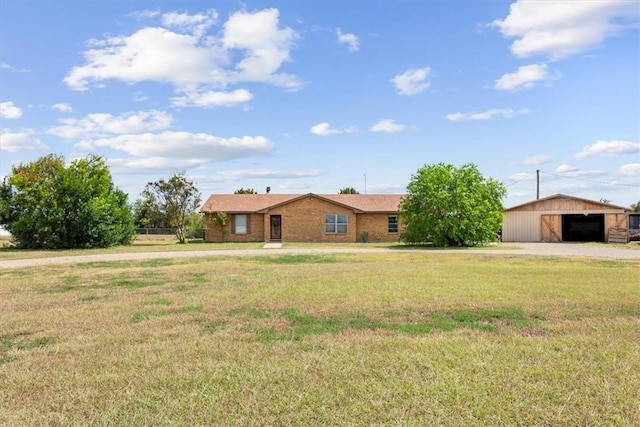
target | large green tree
[
  {"x": 49, "y": 204},
  {"x": 173, "y": 199},
  {"x": 446, "y": 205}
]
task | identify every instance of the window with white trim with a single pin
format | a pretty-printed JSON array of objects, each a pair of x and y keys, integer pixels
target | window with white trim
[
  {"x": 392, "y": 224},
  {"x": 240, "y": 224},
  {"x": 335, "y": 224}
]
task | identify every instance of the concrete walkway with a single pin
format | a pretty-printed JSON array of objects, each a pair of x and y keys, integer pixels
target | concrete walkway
[{"x": 540, "y": 249}]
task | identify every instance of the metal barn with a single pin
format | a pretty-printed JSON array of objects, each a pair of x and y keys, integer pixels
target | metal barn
[{"x": 562, "y": 218}]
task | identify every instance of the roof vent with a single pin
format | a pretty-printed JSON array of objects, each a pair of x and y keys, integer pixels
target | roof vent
[{"x": 268, "y": 190}]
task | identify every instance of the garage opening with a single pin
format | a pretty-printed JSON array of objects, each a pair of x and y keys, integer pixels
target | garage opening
[{"x": 583, "y": 228}]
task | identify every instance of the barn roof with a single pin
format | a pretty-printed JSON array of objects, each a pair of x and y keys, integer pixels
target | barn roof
[
  {"x": 260, "y": 203},
  {"x": 564, "y": 196}
]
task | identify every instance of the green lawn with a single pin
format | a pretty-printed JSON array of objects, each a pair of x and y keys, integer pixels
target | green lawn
[{"x": 397, "y": 339}]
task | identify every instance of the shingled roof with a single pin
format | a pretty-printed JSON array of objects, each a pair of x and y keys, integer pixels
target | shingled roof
[{"x": 261, "y": 203}]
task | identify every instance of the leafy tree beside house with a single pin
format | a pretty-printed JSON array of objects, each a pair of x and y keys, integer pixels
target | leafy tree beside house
[
  {"x": 447, "y": 206},
  {"x": 174, "y": 200},
  {"x": 47, "y": 204}
]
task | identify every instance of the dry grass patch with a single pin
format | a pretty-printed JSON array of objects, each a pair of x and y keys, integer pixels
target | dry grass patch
[{"x": 368, "y": 339}]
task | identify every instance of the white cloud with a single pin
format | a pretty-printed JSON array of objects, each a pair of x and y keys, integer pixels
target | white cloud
[
  {"x": 487, "y": 115},
  {"x": 9, "y": 111},
  {"x": 537, "y": 160},
  {"x": 351, "y": 40},
  {"x": 265, "y": 46},
  {"x": 197, "y": 23},
  {"x": 388, "y": 126},
  {"x": 562, "y": 28},
  {"x": 148, "y": 164},
  {"x": 412, "y": 82},
  {"x": 213, "y": 99},
  {"x": 524, "y": 78},
  {"x": 150, "y": 54},
  {"x": 100, "y": 124},
  {"x": 565, "y": 168},
  {"x": 196, "y": 147},
  {"x": 63, "y": 107},
  {"x": 14, "y": 142},
  {"x": 324, "y": 129},
  {"x": 629, "y": 170},
  {"x": 608, "y": 148},
  {"x": 189, "y": 58}
]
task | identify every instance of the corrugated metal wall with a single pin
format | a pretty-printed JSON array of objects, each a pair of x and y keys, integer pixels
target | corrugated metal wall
[{"x": 521, "y": 226}]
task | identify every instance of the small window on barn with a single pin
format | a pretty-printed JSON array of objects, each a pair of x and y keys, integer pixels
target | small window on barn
[
  {"x": 240, "y": 224},
  {"x": 335, "y": 224},
  {"x": 392, "y": 224}
]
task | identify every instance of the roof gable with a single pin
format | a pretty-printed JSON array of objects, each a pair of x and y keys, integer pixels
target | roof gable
[{"x": 560, "y": 197}]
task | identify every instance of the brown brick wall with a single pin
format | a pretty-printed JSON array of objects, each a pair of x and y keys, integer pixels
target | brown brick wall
[
  {"x": 376, "y": 225},
  {"x": 303, "y": 221},
  {"x": 255, "y": 232}
]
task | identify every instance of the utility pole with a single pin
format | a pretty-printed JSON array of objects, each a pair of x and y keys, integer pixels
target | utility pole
[
  {"x": 365, "y": 183},
  {"x": 537, "y": 184}
]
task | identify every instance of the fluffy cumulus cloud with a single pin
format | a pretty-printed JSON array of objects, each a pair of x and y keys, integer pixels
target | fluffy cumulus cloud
[
  {"x": 487, "y": 115},
  {"x": 351, "y": 40},
  {"x": 9, "y": 111},
  {"x": 24, "y": 140},
  {"x": 388, "y": 126},
  {"x": 194, "y": 148},
  {"x": 525, "y": 77},
  {"x": 629, "y": 170},
  {"x": 101, "y": 124},
  {"x": 561, "y": 28},
  {"x": 537, "y": 160},
  {"x": 63, "y": 107},
  {"x": 608, "y": 148},
  {"x": 264, "y": 44},
  {"x": 213, "y": 98},
  {"x": 186, "y": 52},
  {"x": 412, "y": 81},
  {"x": 324, "y": 129}
]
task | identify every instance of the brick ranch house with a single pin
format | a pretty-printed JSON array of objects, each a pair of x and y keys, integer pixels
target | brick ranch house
[{"x": 303, "y": 217}]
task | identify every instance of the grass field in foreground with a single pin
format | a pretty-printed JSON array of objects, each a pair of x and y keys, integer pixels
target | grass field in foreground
[{"x": 397, "y": 339}]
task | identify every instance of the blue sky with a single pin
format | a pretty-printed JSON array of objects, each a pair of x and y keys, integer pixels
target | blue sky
[{"x": 312, "y": 96}]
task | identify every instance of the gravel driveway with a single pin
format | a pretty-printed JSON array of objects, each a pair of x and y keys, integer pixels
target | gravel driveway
[{"x": 548, "y": 249}]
